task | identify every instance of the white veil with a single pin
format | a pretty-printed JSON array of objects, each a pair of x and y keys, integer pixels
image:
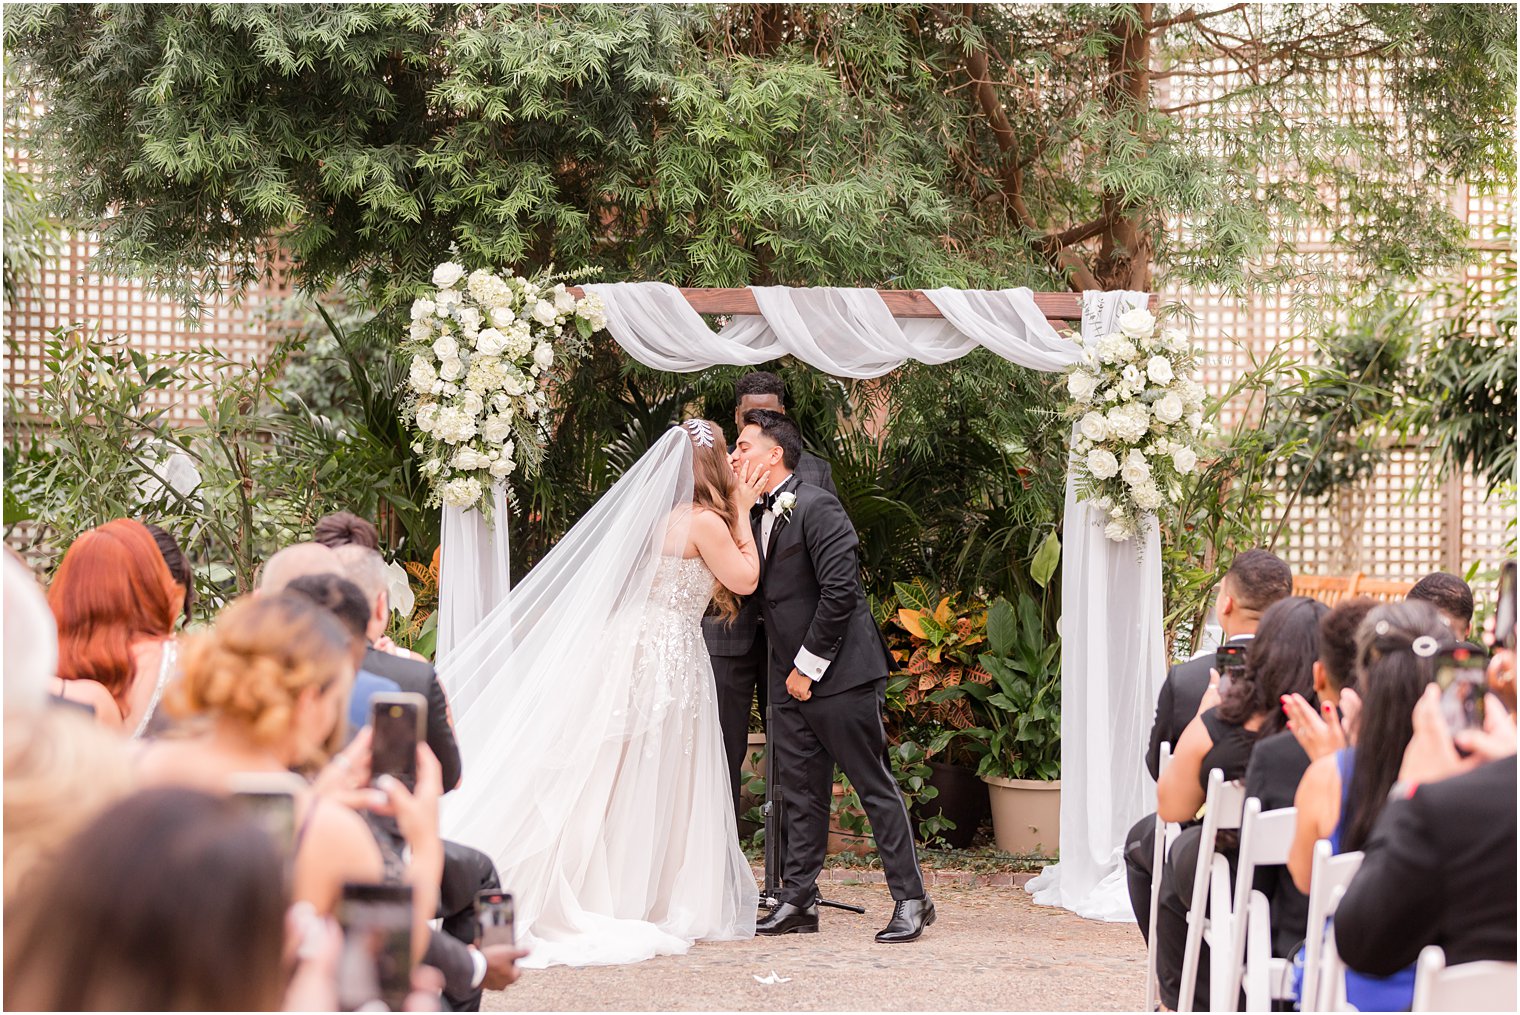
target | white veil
[{"x": 548, "y": 712}]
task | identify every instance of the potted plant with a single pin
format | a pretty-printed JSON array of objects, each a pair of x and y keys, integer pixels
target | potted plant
[{"x": 1020, "y": 737}]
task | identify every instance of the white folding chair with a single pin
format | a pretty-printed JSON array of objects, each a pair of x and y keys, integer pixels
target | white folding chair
[
  {"x": 1330, "y": 991},
  {"x": 1328, "y": 878},
  {"x": 1211, "y": 916},
  {"x": 1265, "y": 838},
  {"x": 1472, "y": 986},
  {"x": 1165, "y": 832}
]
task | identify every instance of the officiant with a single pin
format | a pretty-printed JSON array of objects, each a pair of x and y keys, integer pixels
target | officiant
[{"x": 739, "y": 650}]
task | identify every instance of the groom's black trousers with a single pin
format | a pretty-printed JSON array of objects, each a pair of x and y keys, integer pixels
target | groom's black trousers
[{"x": 808, "y": 738}]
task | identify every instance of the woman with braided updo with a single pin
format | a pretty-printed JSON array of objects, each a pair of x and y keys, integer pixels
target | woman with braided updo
[{"x": 273, "y": 677}]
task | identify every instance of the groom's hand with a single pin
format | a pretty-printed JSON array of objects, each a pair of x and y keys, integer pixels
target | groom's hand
[{"x": 798, "y": 685}]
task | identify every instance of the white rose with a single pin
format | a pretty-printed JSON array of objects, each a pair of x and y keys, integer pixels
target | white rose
[
  {"x": 1159, "y": 370},
  {"x": 1195, "y": 420},
  {"x": 513, "y": 385},
  {"x": 563, "y": 301},
  {"x": 496, "y": 429},
  {"x": 501, "y": 315},
  {"x": 544, "y": 313},
  {"x": 1169, "y": 407},
  {"x": 421, "y": 331},
  {"x": 1175, "y": 339},
  {"x": 431, "y": 467},
  {"x": 1184, "y": 459},
  {"x": 1147, "y": 497},
  {"x": 543, "y": 356},
  {"x": 421, "y": 309},
  {"x": 1081, "y": 385},
  {"x": 1137, "y": 323},
  {"x": 1119, "y": 529},
  {"x": 451, "y": 369},
  {"x": 468, "y": 318},
  {"x": 490, "y": 341},
  {"x": 1094, "y": 426},
  {"x": 472, "y": 404},
  {"x": 1136, "y": 470},
  {"x": 422, "y": 375},
  {"x": 446, "y": 274},
  {"x": 427, "y": 417},
  {"x": 445, "y": 347},
  {"x": 1102, "y": 464},
  {"x": 502, "y": 467}
]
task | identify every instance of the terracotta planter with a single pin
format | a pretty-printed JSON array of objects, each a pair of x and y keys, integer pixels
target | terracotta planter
[
  {"x": 1026, "y": 815},
  {"x": 962, "y": 798},
  {"x": 842, "y": 841}
]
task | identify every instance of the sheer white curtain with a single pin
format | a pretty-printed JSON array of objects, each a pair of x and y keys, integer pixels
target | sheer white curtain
[
  {"x": 473, "y": 572},
  {"x": 1112, "y": 665}
]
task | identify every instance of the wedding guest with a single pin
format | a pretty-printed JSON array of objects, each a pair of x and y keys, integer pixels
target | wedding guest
[
  {"x": 343, "y": 528},
  {"x": 737, "y": 646},
  {"x": 348, "y": 604},
  {"x": 1222, "y": 736},
  {"x": 115, "y": 603},
  {"x": 171, "y": 900},
  {"x": 366, "y": 569},
  {"x": 1254, "y": 581},
  {"x": 1278, "y": 762},
  {"x": 298, "y": 559},
  {"x": 1451, "y": 596},
  {"x": 179, "y": 567},
  {"x": 1342, "y": 794},
  {"x": 274, "y": 674},
  {"x": 1440, "y": 859}
]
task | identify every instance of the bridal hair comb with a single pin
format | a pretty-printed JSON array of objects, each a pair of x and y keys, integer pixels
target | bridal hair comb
[{"x": 701, "y": 432}]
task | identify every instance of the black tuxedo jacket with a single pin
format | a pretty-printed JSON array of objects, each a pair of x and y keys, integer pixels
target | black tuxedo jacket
[
  {"x": 735, "y": 639},
  {"x": 811, "y": 596},
  {"x": 1440, "y": 870},
  {"x": 1177, "y": 704},
  {"x": 419, "y": 677}
]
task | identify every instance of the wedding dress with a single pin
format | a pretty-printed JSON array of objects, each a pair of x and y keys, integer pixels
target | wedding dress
[{"x": 586, "y": 712}]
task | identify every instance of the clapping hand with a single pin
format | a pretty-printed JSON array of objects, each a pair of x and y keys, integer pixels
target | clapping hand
[{"x": 1320, "y": 737}]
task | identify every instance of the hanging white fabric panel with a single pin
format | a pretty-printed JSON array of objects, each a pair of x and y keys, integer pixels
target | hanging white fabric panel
[
  {"x": 473, "y": 574},
  {"x": 1113, "y": 660}
]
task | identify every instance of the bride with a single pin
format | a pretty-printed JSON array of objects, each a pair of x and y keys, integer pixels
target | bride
[{"x": 586, "y": 713}]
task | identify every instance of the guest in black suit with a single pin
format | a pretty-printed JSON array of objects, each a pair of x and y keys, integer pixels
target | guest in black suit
[
  {"x": 1453, "y": 598},
  {"x": 828, "y": 676},
  {"x": 1254, "y": 581},
  {"x": 738, "y": 649},
  {"x": 1440, "y": 864},
  {"x": 1278, "y": 762}
]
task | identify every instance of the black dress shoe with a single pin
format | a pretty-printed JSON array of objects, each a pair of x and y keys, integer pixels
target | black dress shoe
[
  {"x": 909, "y": 918},
  {"x": 790, "y": 919}
]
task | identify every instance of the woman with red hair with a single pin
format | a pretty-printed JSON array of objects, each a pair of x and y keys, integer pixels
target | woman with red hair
[{"x": 115, "y": 603}]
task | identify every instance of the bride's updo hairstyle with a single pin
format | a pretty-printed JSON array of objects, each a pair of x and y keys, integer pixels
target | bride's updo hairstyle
[
  {"x": 253, "y": 666},
  {"x": 712, "y": 487}
]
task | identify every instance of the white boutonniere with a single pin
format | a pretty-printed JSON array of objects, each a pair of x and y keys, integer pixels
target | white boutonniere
[{"x": 782, "y": 508}]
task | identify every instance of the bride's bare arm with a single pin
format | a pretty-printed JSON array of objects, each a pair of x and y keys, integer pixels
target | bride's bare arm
[{"x": 734, "y": 563}]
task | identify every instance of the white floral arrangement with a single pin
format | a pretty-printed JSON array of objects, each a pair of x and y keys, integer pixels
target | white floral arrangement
[
  {"x": 1138, "y": 409},
  {"x": 482, "y": 348}
]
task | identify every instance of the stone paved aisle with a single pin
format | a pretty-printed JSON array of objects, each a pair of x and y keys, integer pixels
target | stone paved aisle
[{"x": 990, "y": 949}]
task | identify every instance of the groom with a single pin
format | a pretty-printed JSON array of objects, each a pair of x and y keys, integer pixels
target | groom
[{"x": 828, "y": 676}]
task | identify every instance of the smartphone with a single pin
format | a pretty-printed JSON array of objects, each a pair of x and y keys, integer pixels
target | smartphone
[
  {"x": 1230, "y": 663},
  {"x": 397, "y": 722},
  {"x": 1461, "y": 675},
  {"x": 269, "y": 799},
  {"x": 1504, "y": 612},
  {"x": 496, "y": 915},
  {"x": 376, "y": 961}
]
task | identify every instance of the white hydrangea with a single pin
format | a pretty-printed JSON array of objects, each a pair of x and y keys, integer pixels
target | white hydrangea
[
  {"x": 1102, "y": 464},
  {"x": 1159, "y": 370},
  {"x": 422, "y": 375},
  {"x": 519, "y": 340},
  {"x": 1115, "y": 348},
  {"x": 1192, "y": 393},
  {"x": 1147, "y": 496},
  {"x": 485, "y": 376},
  {"x": 1094, "y": 426},
  {"x": 1129, "y": 422},
  {"x": 1136, "y": 469},
  {"x": 446, "y": 274},
  {"x": 463, "y": 492},
  {"x": 1169, "y": 408},
  {"x": 1081, "y": 385},
  {"x": 454, "y": 426},
  {"x": 1175, "y": 339},
  {"x": 1184, "y": 459},
  {"x": 593, "y": 312},
  {"x": 1137, "y": 323}
]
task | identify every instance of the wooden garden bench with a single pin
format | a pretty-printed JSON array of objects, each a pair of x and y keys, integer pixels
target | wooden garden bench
[{"x": 1332, "y": 588}]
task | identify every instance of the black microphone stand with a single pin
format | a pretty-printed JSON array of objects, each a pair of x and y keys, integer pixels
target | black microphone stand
[{"x": 775, "y": 829}]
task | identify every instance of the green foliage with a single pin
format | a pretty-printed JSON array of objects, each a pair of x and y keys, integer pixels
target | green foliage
[{"x": 1019, "y": 735}]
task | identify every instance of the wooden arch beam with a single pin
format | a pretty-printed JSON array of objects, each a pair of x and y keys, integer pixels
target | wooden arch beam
[{"x": 1058, "y": 307}]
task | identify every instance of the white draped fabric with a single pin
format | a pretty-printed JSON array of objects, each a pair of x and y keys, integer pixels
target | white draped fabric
[
  {"x": 1112, "y": 653},
  {"x": 1112, "y": 663}
]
